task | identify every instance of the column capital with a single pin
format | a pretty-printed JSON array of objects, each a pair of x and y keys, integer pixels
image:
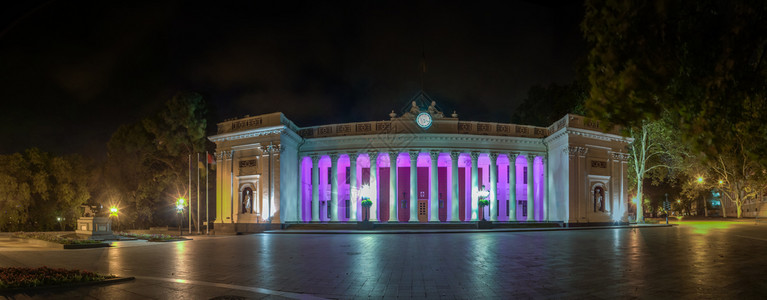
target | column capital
[
  {"x": 413, "y": 154},
  {"x": 353, "y": 155},
  {"x": 393, "y": 156},
  {"x": 474, "y": 155},
  {"x": 315, "y": 157},
  {"x": 333, "y": 156},
  {"x": 512, "y": 155},
  {"x": 373, "y": 153},
  {"x": 493, "y": 157},
  {"x": 454, "y": 155},
  {"x": 434, "y": 154},
  {"x": 228, "y": 154}
]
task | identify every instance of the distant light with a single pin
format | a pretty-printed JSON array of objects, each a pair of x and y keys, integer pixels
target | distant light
[
  {"x": 113, "y": 211},
  {"x": 180, "y": 204},
  {"x": 721, "y": 181},
  {"x": 700, "y": 179}
]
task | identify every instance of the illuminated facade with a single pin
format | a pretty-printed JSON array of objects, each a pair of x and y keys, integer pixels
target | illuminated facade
[{"x": 269, "y": 169}]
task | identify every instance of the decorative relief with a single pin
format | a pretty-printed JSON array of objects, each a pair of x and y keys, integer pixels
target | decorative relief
[
  {"x": 503, "y": 129},
  {"x": 464, "y": 126},
  {"x": 540, "y": 131},
  {"x": 248, "y": 163},
  {"x": 520, "y": 129},
  {"x": 577, "y": 150},
  {"x": 246, "y": 124},
  {"x": 324, "y": 130},
  {"x": 383, "y": 126},
  {"x": 481, "y": 127},
  {"x": 599, "y": 164},
  {"x": 364, "y": 127},
  {"x": 620, "y": 156},
  {"x": 346, "y": 128},
  {"x": 591, "y": 123}
]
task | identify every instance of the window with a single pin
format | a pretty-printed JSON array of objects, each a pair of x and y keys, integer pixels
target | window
[
  {"x": 507, "y": 208},
  {"x": 348, "y": 175},
  {"x": 329, "y": 175},
  {"x": 508, "y": 175},
  {"x": 524, "y": 175},
  {"x": 348, "y": 210},
  {"x": 497, "y": 211}
]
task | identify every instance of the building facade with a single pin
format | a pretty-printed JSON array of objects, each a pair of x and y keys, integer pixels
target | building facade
[{"x": 421, "y": 165}]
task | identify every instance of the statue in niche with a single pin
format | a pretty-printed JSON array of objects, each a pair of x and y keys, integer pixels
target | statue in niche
[
  {"x": 246, "y": 202},
  {"x": 599, "y": 199}
]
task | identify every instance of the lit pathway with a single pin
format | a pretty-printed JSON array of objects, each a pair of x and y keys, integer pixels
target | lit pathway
[{"x": 693, "y": 260}]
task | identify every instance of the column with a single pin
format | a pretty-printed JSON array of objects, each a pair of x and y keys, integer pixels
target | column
[
  {"x": 413, "y": 186},
  {"x": 373, "y": 156},
  {"x": 434, "y": 189},
  {"x": 333, "y": 187},
  {"x": 530, "y": 193},
  {"x": 353, "y": 189},
  {"x": 315, "y": 188},
  {"x": 474, "y": 185},
  {"x": 454, "y": 202},
  {"x": 545, "y": 205},
  {"x": 393, "y": 186},
  {"x": 493, "y": 186},
  {"x": 512, "y": 186}
]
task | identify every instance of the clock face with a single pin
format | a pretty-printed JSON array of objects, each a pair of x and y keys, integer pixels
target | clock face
[{"x": 424, "y": 120}]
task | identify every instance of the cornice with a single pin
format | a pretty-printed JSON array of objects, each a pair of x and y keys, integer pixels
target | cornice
[{"x": 274, "y": 130}]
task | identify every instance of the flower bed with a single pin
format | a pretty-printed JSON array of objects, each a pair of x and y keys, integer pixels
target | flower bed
[
  {"x": 19, "y": 278},
  {"x": 149, "y": 237},
  {"x": 49, "y": 237}
]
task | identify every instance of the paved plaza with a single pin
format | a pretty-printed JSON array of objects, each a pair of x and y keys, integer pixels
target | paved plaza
[{"x": 717, "y": 260}]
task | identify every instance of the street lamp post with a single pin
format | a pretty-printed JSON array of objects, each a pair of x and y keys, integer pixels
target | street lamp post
[
  {"x": 179, "y": 213},
  {"x": 705, "y": 205},
  {"x": 113, "y": 213}
]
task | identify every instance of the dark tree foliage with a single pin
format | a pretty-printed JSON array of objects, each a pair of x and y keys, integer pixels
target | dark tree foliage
[
  {"x": 702, "y": 61},
  {"x": 147, "y": 165},
  {"x": 545, "y": 105},
  {"x": 41, "y": 191}
]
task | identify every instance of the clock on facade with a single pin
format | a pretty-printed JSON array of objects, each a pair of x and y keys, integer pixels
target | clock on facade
[{"x": 424, "y": 120}]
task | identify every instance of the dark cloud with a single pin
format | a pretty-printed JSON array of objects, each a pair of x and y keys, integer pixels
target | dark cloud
[{"x": 73, "y": 71}]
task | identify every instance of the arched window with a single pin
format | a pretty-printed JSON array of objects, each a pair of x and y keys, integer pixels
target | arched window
[{"x": 247, "y": 201}]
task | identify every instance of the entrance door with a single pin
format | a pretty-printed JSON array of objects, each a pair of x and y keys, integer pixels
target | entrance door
[{"x": 423, "y": 216}]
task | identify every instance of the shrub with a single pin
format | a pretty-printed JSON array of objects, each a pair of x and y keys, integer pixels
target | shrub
[{"x": 17, "y": 277}]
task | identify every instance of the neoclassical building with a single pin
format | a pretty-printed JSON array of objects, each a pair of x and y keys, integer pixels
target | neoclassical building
[{"x": 421, "y": 165}]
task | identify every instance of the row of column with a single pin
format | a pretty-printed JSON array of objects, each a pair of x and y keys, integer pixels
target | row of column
[{"x": 433, "y": 184}]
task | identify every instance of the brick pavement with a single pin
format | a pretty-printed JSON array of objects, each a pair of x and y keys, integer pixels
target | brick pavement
[{"x": 688, "y": 261}]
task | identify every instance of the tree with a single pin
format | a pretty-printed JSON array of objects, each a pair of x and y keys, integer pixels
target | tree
[
  {"x": 734, "y": 174},
  {"x": 15, "y": 192},
  {"x": 37, "y": 188},
  {"x": 147, "y": 165},
  {"x": 700, "y": 61},
  {"x": 545, "y": 105},
  {"x": 654, "y": 153}
]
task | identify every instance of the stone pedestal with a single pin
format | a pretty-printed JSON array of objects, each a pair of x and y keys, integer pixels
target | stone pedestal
[{"x": 95, "y": 228}]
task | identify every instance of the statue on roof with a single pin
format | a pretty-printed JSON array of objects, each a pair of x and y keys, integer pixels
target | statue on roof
[
  {"x": 415, "y": 110},
  {"x": 434, "y": 112}
]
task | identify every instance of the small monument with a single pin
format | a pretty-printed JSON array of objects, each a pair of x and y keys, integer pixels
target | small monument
[{"x": 94, "y": 225}]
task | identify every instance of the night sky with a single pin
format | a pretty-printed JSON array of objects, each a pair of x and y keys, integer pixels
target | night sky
[{"x": 71, "y": 72}]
